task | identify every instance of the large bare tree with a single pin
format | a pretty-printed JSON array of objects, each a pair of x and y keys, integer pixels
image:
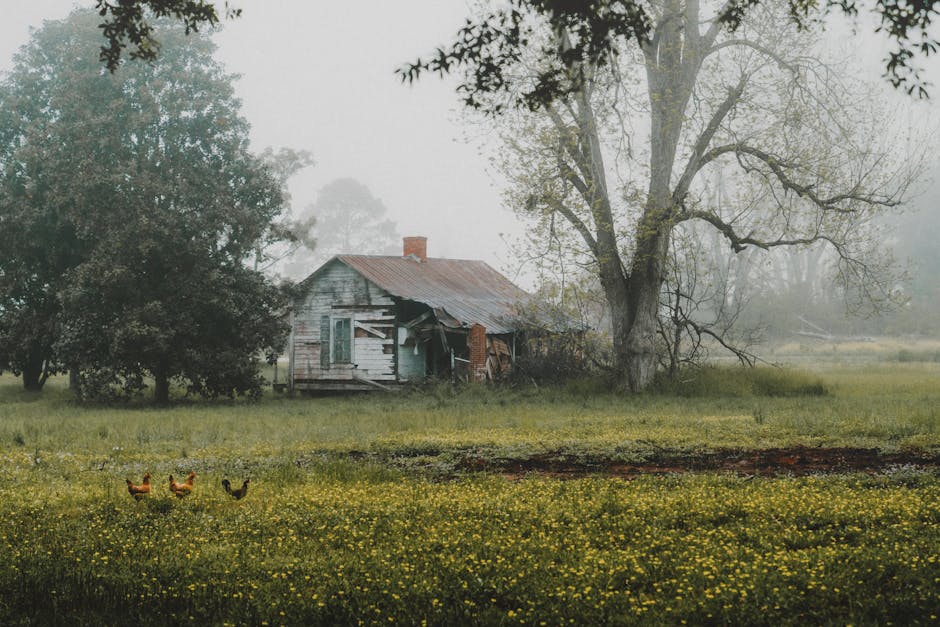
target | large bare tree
[{"x": 624, "y": 161}]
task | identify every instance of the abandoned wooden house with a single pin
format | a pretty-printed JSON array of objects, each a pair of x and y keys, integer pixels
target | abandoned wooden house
[{"x": 379, "y": 321}]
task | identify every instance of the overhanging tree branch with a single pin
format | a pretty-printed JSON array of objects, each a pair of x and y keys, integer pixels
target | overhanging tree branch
[
  {"x": 779, "y": 168},
  {"x": 739, "y": 242}
]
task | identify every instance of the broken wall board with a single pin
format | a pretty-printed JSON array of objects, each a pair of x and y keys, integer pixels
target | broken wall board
[{"x": 340, "y": 292}]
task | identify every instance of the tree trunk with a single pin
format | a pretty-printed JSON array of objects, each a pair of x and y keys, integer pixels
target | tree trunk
[
  {"x": 32, "y": 378},
  {"x": 634, "y": 310},
  {"x": 641, "y": 353},
  {"x": 161, "y": 387},
  {"x": 640, "y": 366},
  {"x": 620, "y": 332},
  {"x": 34, "y": 373},
  {"x": 674, "y": 333},
  {"x": 646, "y": 281},
  {"x": 634, "y": 340},
  {"x": 673, "y": 57}
]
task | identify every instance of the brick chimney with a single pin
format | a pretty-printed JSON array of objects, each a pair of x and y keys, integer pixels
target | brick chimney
[
  {"x": 417, "y": 246},
  {"x": 476, "y": 341}
]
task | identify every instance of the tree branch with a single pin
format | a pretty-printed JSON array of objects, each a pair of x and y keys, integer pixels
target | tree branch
[
  {"x": 764, "y": 50},
  {"x": 739, "y": 243},
  {"x": 779, "y": 168},
  {"x": 572, "y": 218},
  {"x": 592, "y": 184},
  {"x": 746, "y": 358},
  {"x": 717, "y": 24},
  {"x": 692, "y": 167},
  {"x": 571, "y": 146}
]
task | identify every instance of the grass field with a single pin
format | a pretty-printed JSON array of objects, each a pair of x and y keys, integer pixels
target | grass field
[{"x": 357, "y": 512}]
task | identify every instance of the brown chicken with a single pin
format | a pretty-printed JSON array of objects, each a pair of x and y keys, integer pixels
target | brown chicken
[
  {"x": 238, "y": 493},
  {"x": 182, "y": 489},
  {"x": 139, "y": 491}
]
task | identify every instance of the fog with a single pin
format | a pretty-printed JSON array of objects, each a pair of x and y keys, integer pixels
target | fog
[{"x": 320, "y": 77}]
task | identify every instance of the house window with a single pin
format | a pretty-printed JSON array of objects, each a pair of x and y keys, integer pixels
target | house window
[{"x": 342, "y": 340}]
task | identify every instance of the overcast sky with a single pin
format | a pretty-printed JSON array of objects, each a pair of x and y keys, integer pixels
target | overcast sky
[{"x": 320, "y": 76}]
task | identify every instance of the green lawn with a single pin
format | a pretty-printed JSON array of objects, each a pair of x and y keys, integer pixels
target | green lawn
[{"x": 348, "y": 519}]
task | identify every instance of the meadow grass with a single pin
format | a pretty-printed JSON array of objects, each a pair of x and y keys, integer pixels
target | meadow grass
[
  {"x": 859, "y": 352},
  {"x": 888, "y": 407},
  {"x": 343, "y": 525}
]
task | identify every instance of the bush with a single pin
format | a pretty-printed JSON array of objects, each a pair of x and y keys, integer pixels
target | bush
[
  {"x": 777, "y": 382},
  {"x": 551, "y": 358},
  {"x": 713, "y": 381},
  {"x": 906, "y": 355}
]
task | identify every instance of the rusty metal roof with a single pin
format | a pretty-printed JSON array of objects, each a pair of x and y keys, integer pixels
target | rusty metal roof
[{"x": 470, "y": 292}]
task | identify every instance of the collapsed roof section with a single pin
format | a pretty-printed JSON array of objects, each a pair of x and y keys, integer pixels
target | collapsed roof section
[{"x": 461, "y": 292}]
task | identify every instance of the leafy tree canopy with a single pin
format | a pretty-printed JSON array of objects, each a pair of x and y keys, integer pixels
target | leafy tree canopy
[
  {"x": 130, "y": 22},
  {"x": 701, "y": 134},
  {"x": 129, "y": 204},
  {"x": 347, "y": 218},
  {"x": 492, "y": 47},
  {"x": 489, "y": 47}
]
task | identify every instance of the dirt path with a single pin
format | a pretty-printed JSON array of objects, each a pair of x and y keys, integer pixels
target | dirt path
[{"x": 795, "y": 461}]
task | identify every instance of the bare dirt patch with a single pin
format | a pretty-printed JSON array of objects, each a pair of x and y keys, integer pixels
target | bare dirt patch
[{"x": 795, "y": 461}]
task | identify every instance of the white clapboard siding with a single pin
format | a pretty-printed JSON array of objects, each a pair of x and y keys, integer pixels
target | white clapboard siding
[{"x": 340, "y": 292}]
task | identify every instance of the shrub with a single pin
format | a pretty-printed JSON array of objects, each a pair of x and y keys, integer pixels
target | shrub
[
  {"x": 906, "y": 355},
  {"x": 545, "y": 357},
  {"x": 714, "y": 381},
  {"x": 778, "y": 382}
]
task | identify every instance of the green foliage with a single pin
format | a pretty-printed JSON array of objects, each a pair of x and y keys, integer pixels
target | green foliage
[
  {"x": 893, "y": 407},
  {"x": 201, "y": 326},
  {"x": 490, "y": 49},
  {"x": 906, "y": 355},
  {"x": 716, "y": 381},
  {"x": 128, "y": 21},
  {"x": 131, "y": 203},
  {"x": 27, "y": 331}
]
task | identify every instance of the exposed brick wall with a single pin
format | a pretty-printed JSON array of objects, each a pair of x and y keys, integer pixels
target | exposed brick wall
[
  {"x": 417, "y": 246},
  {"x": 477, "y": 343}
]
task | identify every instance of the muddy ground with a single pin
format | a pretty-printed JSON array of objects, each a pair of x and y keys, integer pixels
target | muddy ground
[{"x": 796, "y": 461}]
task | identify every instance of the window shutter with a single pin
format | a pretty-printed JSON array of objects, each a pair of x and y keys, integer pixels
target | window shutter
[
  {"x": 325, "y": 342},
  {"x": 342, "y": 338}
]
